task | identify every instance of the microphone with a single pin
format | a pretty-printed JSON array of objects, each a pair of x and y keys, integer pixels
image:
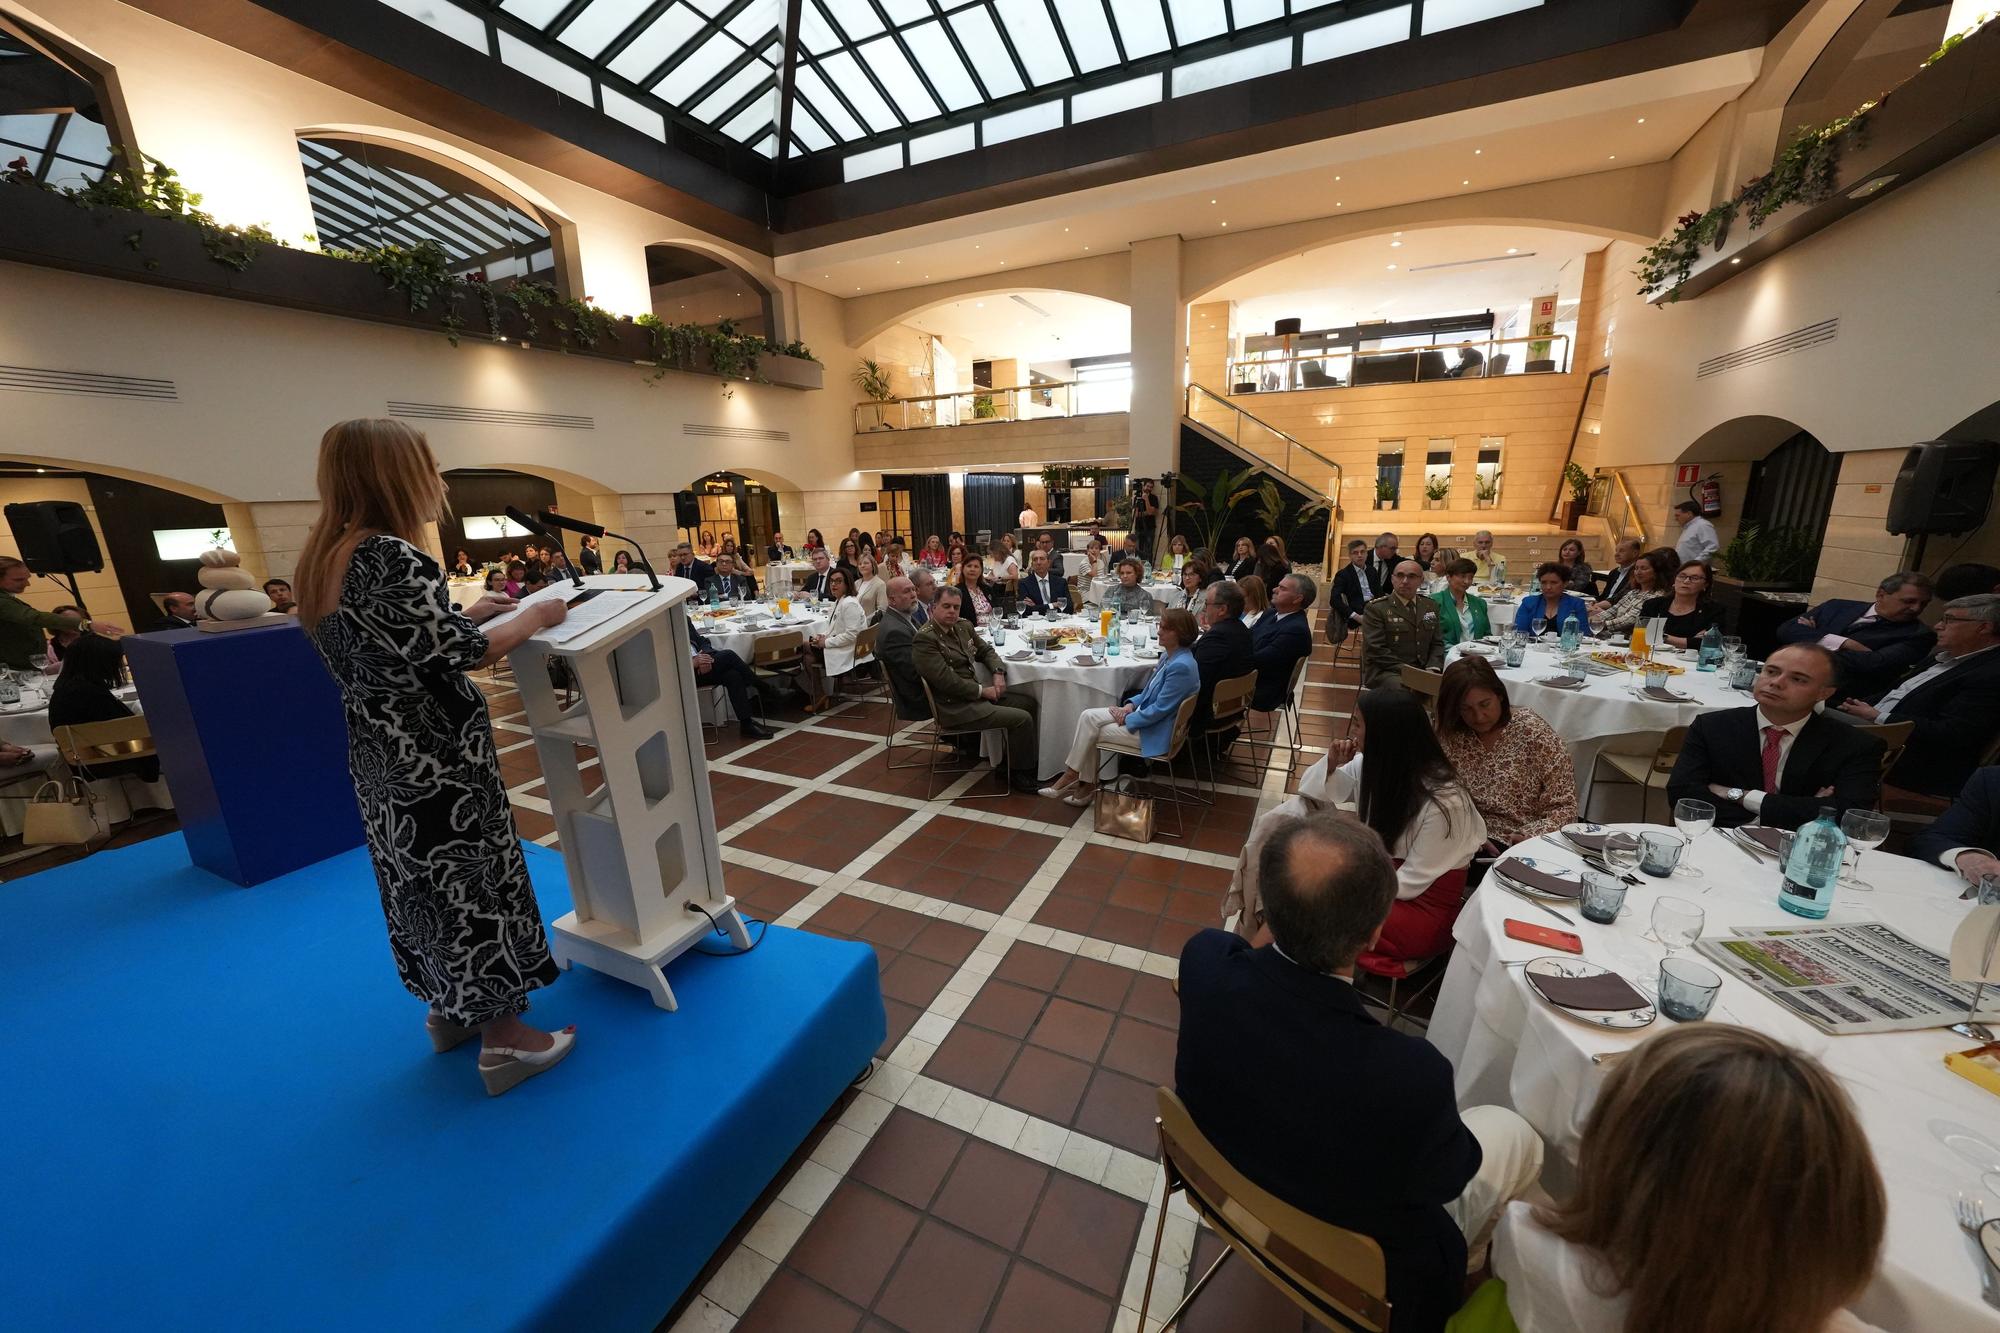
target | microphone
[
  {"x": 599, "y": 531},
  {"x": 540, "y": 530}
]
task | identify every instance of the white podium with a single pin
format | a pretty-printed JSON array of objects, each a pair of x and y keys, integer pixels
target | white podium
[{"x": 641, "y": 849}]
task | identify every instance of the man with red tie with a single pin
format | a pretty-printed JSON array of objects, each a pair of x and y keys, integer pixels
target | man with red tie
[{"x": 1779, "y": 762}]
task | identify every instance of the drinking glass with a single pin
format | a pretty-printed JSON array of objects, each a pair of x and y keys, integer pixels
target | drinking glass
[
  {"x": 1677, "y": 923},
  {"x": 1621, "y": 851},
  {"x": 1732, "y": 646},
  {"x": 1865, "y": 830},
  {"x": 784, "y": 606},
  {"x": 40, "y": 662},
  {"x": 1603, "y": 897},
  {"x": 1687, "y": 989},
  {"x": 1692, "y": 818},
  {"x": 1659, "y": 853},
  {"x": 1538, "y": 624}
]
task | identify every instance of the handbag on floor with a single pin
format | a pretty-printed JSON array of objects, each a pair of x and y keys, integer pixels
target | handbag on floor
[
  {"x": 62, "y": 815},
  {"x": 1122, "y": 814}
]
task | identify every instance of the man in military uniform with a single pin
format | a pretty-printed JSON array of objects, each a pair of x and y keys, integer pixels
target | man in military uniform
[
  {"x": 1400, "y": 630},
  {"x": 944, "y": 652}
]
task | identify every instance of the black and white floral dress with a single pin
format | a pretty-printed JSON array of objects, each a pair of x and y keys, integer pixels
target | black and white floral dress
[{"x": 463, "y": 923}]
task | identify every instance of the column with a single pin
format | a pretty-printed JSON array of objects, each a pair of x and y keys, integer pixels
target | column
[{"x": 1159, "y": 355}]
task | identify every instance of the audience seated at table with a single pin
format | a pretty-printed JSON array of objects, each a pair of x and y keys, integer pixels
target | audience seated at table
[
  {"x": 1096, "y": 559},
  {"x": 624, "y": 562},
  {"x": 945, "y": 651},
  {"x": 719, "y": 666},
  {"x": 461, "y": 565},
  {"x": 1393, "y": 770},
  {"x": 179, "y": 609},
  {"x": 1954, "y": 700},
  {"x": 1129, "y": 550},
  {"x": 895, "y": 641},
  {"x": 1482, "y": 556},
  {"x": 777, "y": 550},
  {"x": 832, "y": 653},
  {"x": 1243, "y": 561},
  {"x": 1873, "y": 643},
  {"x": 1292, "y": 1079},
  {"x": 1044, "y": 590},
  {"x": 1178, "y": 550},
  {"x": 1435, "y": 579},
  {"x": 1426, "y": 550},
  {"x": 280, "y": 593},
  {"x": 1522, "y": 779},
  {"x": 1580, "y": 579},
  {"x": 1706, "y": 1143},
  {"x": 517, "y": 579},
  {"x": 687, "y": 566},
  {"x": 729, "y": 581},
  {"x": 1005, "y": 567},
  {"x": 847, "y": 561},
  {"x": 1353, "y": 587},
  {"x": 1150, "y": 715},
  {"x": 982, "y": 596},
  {"x": 1688, "y": 608},
  {"x": 1382, "y": 562},
  {"x": 815, "y": 585},
  {"x": 1256, "y": 599},
  {"x": 1194, "y": 582},
  {"x": 1128, "y": 596},
  {"x": 1461, "y": 612},
  {"x": 933, "y": 555},
  {"x": 1224, "y": 650},
  {"x": 1966, "y": 838},
  {"x": 896, "y": 562},
  {"x": 814, "y": 542},
  {"x": 62, "y": 637},
  {"x": 1650, "y": 575},
  {"x": 1552, "y": 604},
  {"x": 1280, "y": 638},
  {"x": 870, "y": 589},
  {"x": 1779, "y": 762},
  {"x": 1399, "y": 630},
  {"x": 1611, "y": 583},
  {"x": 83, "y": 693}
]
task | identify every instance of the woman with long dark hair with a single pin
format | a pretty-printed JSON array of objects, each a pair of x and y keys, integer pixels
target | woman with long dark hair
[
  {"x": 1243, "y": 563},
  {"x": 1427, "y": 549},
  {"x": 1652, "y": 574},
  {"x": 464, "y": 927},
  {"x": 1404, "y": 788},
  {"x": 83, "y": 693},
  {"x": 1527, "y": 780},
  {"x": 1687, "y": 607},
  {"x": 1272, "y": 562},
  {"x": 1570, "y": 556}
]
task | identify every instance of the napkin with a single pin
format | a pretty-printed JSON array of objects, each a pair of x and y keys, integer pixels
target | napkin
[
  {"x": 1665, "y": 696},
  {"x": 1767, "y": 838},
  {"x": 1539, "y": 879},
  {"x": 1561, "y": 682},
  {"x": 1590, "y": 842},
  {"x": 1019, "y": 657},
  {"x": 1607, "y": 990},
  {"x": 1084, "y": 660}
]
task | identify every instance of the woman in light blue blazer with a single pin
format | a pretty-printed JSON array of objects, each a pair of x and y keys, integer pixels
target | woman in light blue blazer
[
  {"x": 1150, "y": 715},
  {"x": 1553, "y": 604}
]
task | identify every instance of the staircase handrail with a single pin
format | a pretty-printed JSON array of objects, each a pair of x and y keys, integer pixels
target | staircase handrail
[{"x": 1291, "y": 441}]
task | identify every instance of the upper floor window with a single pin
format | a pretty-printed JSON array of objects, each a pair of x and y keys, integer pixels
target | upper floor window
[{"x": 51, "y": 122}]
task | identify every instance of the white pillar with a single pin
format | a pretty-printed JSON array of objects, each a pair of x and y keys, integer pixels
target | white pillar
[{"x": 1159, "y": 354}]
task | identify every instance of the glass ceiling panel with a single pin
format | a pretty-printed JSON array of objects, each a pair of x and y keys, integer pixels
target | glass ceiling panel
[{"x": 857, "y": 70}]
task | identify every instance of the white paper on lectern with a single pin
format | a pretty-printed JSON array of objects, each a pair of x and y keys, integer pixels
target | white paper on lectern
[
  {"x": 606, "y": 605},
  {"x": 1974, "y": 955}
]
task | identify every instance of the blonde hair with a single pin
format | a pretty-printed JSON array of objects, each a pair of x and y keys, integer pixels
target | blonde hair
[
  {"x": 1706, "y": 1143},
  {"x": 375, "y": 475},
  {"x": 1255, "y": 598}
]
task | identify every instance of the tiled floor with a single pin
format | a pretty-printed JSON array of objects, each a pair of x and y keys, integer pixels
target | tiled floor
[{"x": 996, "y": 1173}]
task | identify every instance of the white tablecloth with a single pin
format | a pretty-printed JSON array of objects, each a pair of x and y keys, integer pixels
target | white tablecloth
[
  {"x": 29, "y": 726},
  {"x": 1609, "y": 707},
  {"x": 1064, "y": 689},
  {"x": 1510, "y": 1049},
  {"x": 1165, "y": 594},
  {"x": 728, "y": 633}
]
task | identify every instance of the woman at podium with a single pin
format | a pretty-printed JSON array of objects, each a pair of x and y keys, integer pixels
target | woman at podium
[{"x": 464, "y": 927}]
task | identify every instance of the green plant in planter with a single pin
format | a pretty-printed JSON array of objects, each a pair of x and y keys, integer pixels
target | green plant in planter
[
  {"x": 983, "y": 406},
  {"x": 1578, "y": 482},
  {"x": 872, "y": 380},
  {"x": 1437, "y": 488},
  {"x": 1486, "y": 489},
  {"x": 1208, "y": 514},
  {"x": 1385, "y": 492},
  {"x": 1769, "y": 555}
]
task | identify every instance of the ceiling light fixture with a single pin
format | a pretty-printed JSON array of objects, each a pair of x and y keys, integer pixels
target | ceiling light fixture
[
  {"x": 1477, "y": 152},
  {"x": 1395, "y": 245},
  {"x": 1225, "y": 224},
  {"x": 1737, "y": 260},
  {"x": 1871, "y": 187},
  {"x": 1642, "y": 120},
  {"x": 1392, "y": 268},
  {"x": 1513, "y": 250},
  {"x": 1465, "y": 182},
  {"x": 1614, "y": 157}
]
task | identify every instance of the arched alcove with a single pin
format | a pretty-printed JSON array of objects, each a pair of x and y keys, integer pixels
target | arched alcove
[{"x": 691, "y": 285}]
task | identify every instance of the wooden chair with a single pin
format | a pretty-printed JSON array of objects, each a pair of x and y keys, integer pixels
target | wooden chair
[
  {"x": 1425, "y": 684},
  {"x": 89, "y": 743},
  {"x": 781, "y": 654},
  {"x": 1894, "y": 737},
  {"x": 864, "y": 656},
  {"x": 1286, "y": 712},
  {"x": 1229, "y": 709},
  {"x": 1336, "y": 1276},
  {"x": 1128, "y": 743},
  {"x": 940, "y": 731},
  {"x": 1648, "y": 773}
]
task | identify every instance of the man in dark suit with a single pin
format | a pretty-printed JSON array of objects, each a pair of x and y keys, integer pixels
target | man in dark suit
[
  {"x": 179, "y": 608},
  {"x": 815, "y": 586},
  {"x": 686, "y": 566},
  {"x": 1965, "y": 837},
  {"x": 777, "y": 550},
  {"x": 1619, "y": 577},
  {"x": 1779, "y": 762},
  {"x": 588, "y": 558},
  {"x": 1354, "y": 587},
  {"x": 719, "y": 666},
  {"x": 895, "y": 638},
  {"x": 1873, "y": 643},
  {"x": 1954, "y": 701},
  {"x": 1224, "y": 650},
  {"x": 1295, "y": 1083},
  {"x": 1280, "y": 638},
  {"x": 1042, "y": 589},
  {"x": 1382, "y": 562},
  {"x": 729, "y": 581}
]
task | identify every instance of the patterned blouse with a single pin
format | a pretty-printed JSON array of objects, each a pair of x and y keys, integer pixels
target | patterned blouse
[
  {"x": 1524, "y": 786},
  {"x": 1624, "y": 612}
]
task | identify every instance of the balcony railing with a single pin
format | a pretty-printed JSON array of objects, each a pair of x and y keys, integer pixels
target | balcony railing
[
  {"x": 1492, "y": 358},
  {"x": 974, "y": 407}
]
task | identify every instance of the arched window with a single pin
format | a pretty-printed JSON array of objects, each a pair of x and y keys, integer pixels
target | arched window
[
  {"x": 368, "y": 194},
  {"x": 691, "y": 286},
  {"x": 52, "y": 120}
]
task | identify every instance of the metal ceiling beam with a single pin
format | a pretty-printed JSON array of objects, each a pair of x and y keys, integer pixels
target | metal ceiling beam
[{"x": 787, "y": 67}]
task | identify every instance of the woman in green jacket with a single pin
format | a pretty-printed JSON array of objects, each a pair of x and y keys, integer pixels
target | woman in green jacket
[{"x": 1461, "y": 615}]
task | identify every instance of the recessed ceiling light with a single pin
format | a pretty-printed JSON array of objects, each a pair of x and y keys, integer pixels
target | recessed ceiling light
[
  {"x": 979, "y": 305},
  {"x": 1737, "y": 260},
  {"x": 1513, "y": 250},
  {"x": 1642, "y": 120},
  {"x": 1465, "y": 182},
  {"x": 1478, "y": 152},
  {"x": 1003, "y": 263},
  {"x": 1392, "y": 268},
  {"x": 1225, "y": 224},
  {"x": 1336, "y": 178},
  {"x": 1211, "y": 201},
  {"x": 1614, "y": 157},
  {"x": 1065, "y": 231},
  {"x": 1395, "y": 245}
]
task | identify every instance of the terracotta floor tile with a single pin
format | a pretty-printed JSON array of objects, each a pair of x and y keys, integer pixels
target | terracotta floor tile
[
  {"x": 806, "y": 753},
  {"x": 854, "y": 1241},
  {"x": 945, "y": 1283},
  {"x": 1065, "y": 913},
  {"x": 1101, "y": 985},
  {"x": 991, "y": 1193},
  {"x": 1170, "y": 936},
  {"x": 532, "y": 824},
  {"x": 1032, "y": 965},
  {"x": 1152, "y": 998},
  {"x": 914, "y": 980},
  {"x": 909, "y": 1157},
  {"x": 790, "y": 1304},
  {"x": 1071, "y": 1029},
  {"x": 761, "y": 893},
  {"x": 844, "y": 913},
  {"x": 891, "y": 926},
  {"x": 945, "y": 942},
  {"x": 972, "y": 1058},
  {"x": 1238, "y": 1297},
  {"x": 1141, "y": 1050},
  {"x": 1121, "y": 925},
  {"x": 1005, "y": 1008},
  {"x": 1120, "y": 1110},
  {"x": 1034, "y": 1300},
  {"x": 1085, "y": 1233},
  {"x": 736, "y": 797},
  {"x": 1045, "y": 1084}
]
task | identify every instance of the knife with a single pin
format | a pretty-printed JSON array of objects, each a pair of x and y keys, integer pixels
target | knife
[{"x": 1526, "y": 899}]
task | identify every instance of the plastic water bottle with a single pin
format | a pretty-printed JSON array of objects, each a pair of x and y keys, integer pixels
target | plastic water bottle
[
  {"x": 1711, "y": 650},
  {"x": 1111, "y": 640},
  {"x": 1813, "y": 868},
  {"x": 713, "y": 599},
  {"x": 1499, "y": 569},
  {"x": 1572, "y": 633}
]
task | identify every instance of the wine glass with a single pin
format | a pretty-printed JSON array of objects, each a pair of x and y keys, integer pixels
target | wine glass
[
  {"x": 1621, "y": 851},
  {"x": 1692, "y": 818},
  {"x": 1538, "y": 624},
  {"x": 1865, "y": 830},
  {"x": 1677, "y": 923}
]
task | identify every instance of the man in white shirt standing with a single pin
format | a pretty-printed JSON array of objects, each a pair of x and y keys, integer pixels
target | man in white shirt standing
[{"x": 1697, "y": 540}]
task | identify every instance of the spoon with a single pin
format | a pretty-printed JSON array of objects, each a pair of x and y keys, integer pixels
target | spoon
[{"x": 1977, "y": 1031}]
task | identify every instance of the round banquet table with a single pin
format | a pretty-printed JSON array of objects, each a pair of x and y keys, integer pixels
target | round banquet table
[
  {"x": 730, "y": 633},
  {"x": 1510, "y": 1049},
  {"x": 1165, "y": 594},
  {"x": 1063, "y": 687},
  {"x": 1608, "y": 707}
]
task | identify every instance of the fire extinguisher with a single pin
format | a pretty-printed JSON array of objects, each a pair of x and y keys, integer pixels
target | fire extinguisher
[{"x": 1708, "y": 494}]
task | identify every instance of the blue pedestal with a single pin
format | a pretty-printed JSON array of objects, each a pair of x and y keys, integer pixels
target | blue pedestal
[{"x": 253, "y": 745}]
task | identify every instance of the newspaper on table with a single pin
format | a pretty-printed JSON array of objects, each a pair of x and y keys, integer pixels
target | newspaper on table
[{"x": 1859, "y": 977}]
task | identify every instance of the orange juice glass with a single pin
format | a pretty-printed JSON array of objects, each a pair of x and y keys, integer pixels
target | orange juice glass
[
  {"x": 1639, "y": 644},
  {"x": 1104, "y": 619},
  {"x": 784, "y": 606}
]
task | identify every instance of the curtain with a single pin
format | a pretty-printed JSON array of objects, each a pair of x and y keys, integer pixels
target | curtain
[
  {"x": 1110, "y": 490},
  {"x": 992, "y": 503},
  {"x": 930, "y": 504}
]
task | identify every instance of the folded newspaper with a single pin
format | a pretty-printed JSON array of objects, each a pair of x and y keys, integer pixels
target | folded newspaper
[{"x": 1860, "y": 977}]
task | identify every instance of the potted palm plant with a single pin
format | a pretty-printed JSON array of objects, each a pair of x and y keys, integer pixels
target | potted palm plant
[
  {"x": 1437, "y": 492},
  {"x": 1578, "y": 482},
  {"x": 873, "y": 380},
  {"x": 1385, "y": 493}
]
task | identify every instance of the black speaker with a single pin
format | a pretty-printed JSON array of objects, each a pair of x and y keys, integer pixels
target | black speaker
[
  {"x": 687, "y": 509},
  {"x": 1284, "y": 326},
  {"x": 54, "y": 537},
  {"x": 1943, "y": 486}
]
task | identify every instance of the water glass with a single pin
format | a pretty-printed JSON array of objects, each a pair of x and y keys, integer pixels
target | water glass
[
  {"x": 1692, "y": 818},
  {"x": 1538, "y": 624},
  {"x": 1657, "y": 677},
  {"x": 1677, "y": 923},
  {"x": 1621, "y": 850},
  {"x": 1603, "y": 897},
  {"x": 1659, "y": 853},
  {"x": 1687, "y": 989},
  {"x": 1514, "y": 653},
  {"x": 1865, "y": 829}
]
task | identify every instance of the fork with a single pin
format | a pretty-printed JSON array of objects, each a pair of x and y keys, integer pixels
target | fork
[{"x": 1971, "y": 1214}]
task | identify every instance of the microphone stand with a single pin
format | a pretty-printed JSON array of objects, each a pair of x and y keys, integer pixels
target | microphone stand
[
  {"x": 599, "y": 531},
  {"x": 542, "y": 531}
]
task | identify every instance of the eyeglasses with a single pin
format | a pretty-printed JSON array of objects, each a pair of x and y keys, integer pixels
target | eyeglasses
[{"x": 1959, "y": 620}]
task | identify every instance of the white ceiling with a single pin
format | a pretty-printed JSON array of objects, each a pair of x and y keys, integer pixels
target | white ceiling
[
  {"x": 1068, "y": 326},
  {"x": 1344, "y": 284},
  {"x": 1595, "y": 128}
]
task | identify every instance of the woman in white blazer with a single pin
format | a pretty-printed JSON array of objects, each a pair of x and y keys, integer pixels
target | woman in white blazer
[
  {"x": 832, "y": 653},
  {"x": 871, "y": 590}
]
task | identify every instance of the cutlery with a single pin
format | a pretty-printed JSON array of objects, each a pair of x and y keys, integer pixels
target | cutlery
[
  {"x": 1598, "y": 863},
  {"x": 1608, "y": 1057},
  {"x": 1967, "y": 1208},
  {"x": 1743, "y": 846},
  {"x": 1756, "y": 849},
  {"x": 1977, "y": 1031},
  {"x": 1526, "y": 899}
]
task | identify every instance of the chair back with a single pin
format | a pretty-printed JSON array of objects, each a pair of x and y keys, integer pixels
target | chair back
[
  {"x": 1324, "y": 1269},
  {"x": 1669, "y": 751},
  {"x": 779, "y": 649},
  {"x": 1231, "y": 700},
  {"x": 1298, "y": 679},
  {"x": 1182, "y": 716},
  {"x": 89, "y": 743},
  {"x": 930, "y": 702},
  {"x": 1424, "y": 684},
  {"x": 864, "y": 643},
  {"x": 1894, "y": 736}
]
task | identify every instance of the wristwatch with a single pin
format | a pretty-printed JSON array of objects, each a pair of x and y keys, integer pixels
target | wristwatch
[{"x": 1736, "y": 794}]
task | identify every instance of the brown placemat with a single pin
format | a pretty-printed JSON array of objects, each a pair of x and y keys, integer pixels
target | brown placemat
[
  {"x": 1590, "y": 842},
  {"x": 1539, "y": 879},
  {"x": 1607, "y": 990},
  {"x": 1767, "y": 838},
  {"x": 1561, "y": 682},
  {"x": 1665, "y": 696}
]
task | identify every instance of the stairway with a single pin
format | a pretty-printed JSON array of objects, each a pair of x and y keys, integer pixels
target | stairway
[{"x": 1216, "y": 435}]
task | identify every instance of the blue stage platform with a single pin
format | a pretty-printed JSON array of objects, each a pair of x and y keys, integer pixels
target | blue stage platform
[{"x": 220, "y": 1111}]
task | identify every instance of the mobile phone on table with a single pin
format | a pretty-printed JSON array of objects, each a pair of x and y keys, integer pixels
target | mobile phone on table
[{"x": 1545, "y": 936}]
